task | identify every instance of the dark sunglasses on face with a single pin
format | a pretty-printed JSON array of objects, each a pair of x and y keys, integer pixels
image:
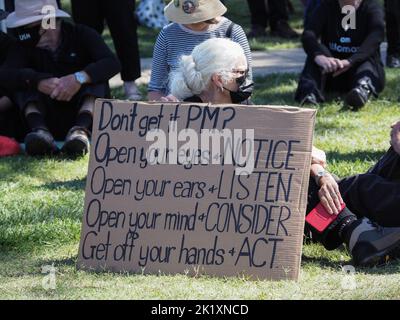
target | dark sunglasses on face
[{"x": 240, "y": 80}]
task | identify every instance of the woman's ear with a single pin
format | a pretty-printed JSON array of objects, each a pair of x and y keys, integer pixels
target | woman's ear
[{"x": 217, "y": 81}]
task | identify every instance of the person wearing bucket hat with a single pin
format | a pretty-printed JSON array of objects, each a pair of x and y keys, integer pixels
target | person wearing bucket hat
[
  {"x": 56, "y": 72},
  {"x": 192, "y": 22}
]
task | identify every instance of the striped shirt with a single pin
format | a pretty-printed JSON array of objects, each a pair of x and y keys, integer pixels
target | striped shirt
[{"x": 176, "y": 40}]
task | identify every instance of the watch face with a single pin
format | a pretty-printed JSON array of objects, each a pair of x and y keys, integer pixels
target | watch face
[
  {"x": 80, "y": 77},
  {"x": 321, "y": 173}
]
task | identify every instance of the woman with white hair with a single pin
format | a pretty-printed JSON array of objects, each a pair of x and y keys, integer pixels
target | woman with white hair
[{"x": 215, "y": 72}]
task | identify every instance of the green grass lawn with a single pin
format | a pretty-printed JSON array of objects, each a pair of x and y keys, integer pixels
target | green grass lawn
[{"x": 41, "y": 206}]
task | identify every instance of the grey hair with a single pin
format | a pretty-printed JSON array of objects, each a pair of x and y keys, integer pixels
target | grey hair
[{"x": 213, "y": 56}]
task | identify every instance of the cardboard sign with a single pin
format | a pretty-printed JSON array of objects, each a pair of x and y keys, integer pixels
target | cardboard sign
[{"x": 201, "y": 215}]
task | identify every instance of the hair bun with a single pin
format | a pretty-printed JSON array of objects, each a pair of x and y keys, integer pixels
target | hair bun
[{"x": 191, "y": 75}]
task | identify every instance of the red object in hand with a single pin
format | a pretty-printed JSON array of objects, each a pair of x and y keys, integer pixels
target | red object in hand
[
  {"x": 8, "y": 147},
  {"x": 320, "y": 219}
]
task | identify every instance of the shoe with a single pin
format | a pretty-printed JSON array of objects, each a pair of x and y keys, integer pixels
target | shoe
[
  {"x": 40, "y": 142},
  {"x": 77, "y": 142},
  {"x": 309, "y": 100},
  {"x": 373, "y": 245},
  {"x": 132, "y": 91},
  {"x": 283, "y": 30},
  {"x": 359, "y": 96},
  {"x": 393, "y": 61}
]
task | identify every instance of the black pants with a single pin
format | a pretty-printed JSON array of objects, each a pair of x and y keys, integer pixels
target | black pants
[
  {"x": 11, "y": 124},
  {"x": 313, "y": 81},
  {"x": 60, "y": 116},
  {"x": 392, "y": 11},
  {"x": 375, "y": 195},
  {"x": 120, "y": 18},
  {"x": 261, "y": 15}
]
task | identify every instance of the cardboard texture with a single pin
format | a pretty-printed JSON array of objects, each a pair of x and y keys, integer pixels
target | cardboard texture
[{"x": 196, "y": 219}]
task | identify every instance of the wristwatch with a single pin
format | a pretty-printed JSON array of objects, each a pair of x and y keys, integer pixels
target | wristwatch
[
  {"x": 81, "y": 77},
  {"x": 320, "y": 174}
]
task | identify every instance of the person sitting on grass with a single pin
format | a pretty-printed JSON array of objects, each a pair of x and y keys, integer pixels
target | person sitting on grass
[
  {"x": 57, "y": 71},
  {"x": 343, "y": 53},
  {"x": 192, "y": 23},
  {"x": 370, "y": 223},
  {"x": 213, "y": 74}
]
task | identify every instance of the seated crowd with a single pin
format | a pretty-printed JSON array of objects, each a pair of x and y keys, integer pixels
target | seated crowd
[{"x": 50, "y": 78}]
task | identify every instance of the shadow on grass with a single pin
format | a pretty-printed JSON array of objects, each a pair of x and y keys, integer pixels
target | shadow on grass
[
  {"x": 32, "y": 166},
  {"x": 393, "y": 267},
  {"x": 322, "y": 262},
  {"x": 66, "y": 262},
  {"x": 76, "y": 184},
  {"x": 392, "y": 88},
  {"x": 355, "y": 156}
]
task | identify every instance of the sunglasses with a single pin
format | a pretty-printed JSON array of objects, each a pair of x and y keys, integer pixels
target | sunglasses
[{"x": 242, "y": 79}]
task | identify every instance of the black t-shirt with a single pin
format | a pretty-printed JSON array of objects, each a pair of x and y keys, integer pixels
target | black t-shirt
[
  {"x": 81, "y": 48},
  {"x": 325, "y": 34}
]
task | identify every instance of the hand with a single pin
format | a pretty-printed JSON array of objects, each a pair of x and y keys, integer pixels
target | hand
[
  {"x": 329, "y": 194},
  {"x": 47, "y": 86},
  {"x": 395, "y": 126},
  {"x": 5, "y": 104},
  {"x": 346, "y": 66},
  {"x": 328, "y": 64},
  {"x": 169, "y": 98},
  {"x": 318, "y": 157},
  {"x": 395, "y": 137},
  {"x": 66, "y": 89}
]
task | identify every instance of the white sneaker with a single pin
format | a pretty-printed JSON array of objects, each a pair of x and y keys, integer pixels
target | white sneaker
[{"x": 131, "y": 91}]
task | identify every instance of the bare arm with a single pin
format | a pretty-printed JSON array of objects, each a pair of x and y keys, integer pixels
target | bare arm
[{"x": 155, "y": 95}]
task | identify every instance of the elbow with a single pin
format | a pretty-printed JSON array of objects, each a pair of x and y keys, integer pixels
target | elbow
[{"x": 307, "y": 34}]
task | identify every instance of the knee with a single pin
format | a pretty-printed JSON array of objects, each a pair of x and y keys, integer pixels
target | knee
[
  {"x": 5, "y": 104},
  {"x": 31, "y": 108}
]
